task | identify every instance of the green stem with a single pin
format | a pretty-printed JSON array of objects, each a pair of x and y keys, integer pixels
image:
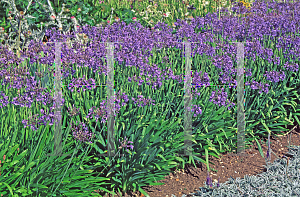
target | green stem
[
  {"x": 107, "y": 165},
  {"x": 81, "y": 160},
  {"x": 65, "y": 171}
]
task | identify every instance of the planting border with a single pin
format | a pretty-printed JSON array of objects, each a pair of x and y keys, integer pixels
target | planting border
[{"x": 187, "y": 100}]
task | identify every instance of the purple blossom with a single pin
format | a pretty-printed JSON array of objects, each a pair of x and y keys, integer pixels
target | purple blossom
[
  {"x": 291, "y": 67},
  {"x": 142, "y": 101},
  {"x": 102, "y": 111},
  {"x": 124, "y": 144},
  {"x": 73, "y": 111},
  {"x": 81, "y": 132},
  {"x": 275, "y": 76},
  {"x": 255, "y": 85},
  {"x": 207, "y": 179},
  {"x": 3, "y": 101},
  {"x": 220, "y": 98},
  {"x": 248, "y": 73},
  {"x": 197, "y": 110}
]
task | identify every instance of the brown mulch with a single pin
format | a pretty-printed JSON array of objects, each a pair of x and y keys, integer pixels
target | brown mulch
[{"x": 190, "y": 179}]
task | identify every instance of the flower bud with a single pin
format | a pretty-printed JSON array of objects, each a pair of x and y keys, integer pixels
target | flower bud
[{"x": 79, "y": 9}]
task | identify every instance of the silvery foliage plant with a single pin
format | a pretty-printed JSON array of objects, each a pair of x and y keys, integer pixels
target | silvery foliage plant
[
  {"x": 282, "y": 178},
  {"x": 38, "y": 35}
]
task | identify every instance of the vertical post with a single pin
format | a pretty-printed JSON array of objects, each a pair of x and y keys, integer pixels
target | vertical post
[
  {"x": 58, "y": 103},
  {"x": 240, "y": 99},
  {"x": 56, "y": 3},
  {"x": 187, "y": 101},
  {"x": 58, "y": 100},
  {"x": 110, "y": 99}
]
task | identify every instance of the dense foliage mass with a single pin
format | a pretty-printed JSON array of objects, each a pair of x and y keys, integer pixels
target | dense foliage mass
[{"x": 149, "y": 104}]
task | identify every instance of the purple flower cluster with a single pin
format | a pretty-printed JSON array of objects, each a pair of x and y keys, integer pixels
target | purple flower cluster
[
  {"x": 291, "y": 67},
  {"x": 73, "y": 111},
  {"x": 142, "y": 101},
  {"x": 101, "y": 112},
  {"x": 200, "y": 80},
  {"x": 209, "y": 181},
  {"x": 124, "y": 144},
  {"x": 82, "y": 82},
  {"x": 255, "y": 85},
  {"x": 32, "y": 122},
  {"x": 248, "y": 73},
  {"x": 81, "y": 132},
  {"x": 8, "y": 57},
  {"x": 97, "y": 112},
  {"x": 223, "y": 62},
  {"x": 220, "y": 98},
  {"x": 226, "y": 65},
  {"x": 16, "y": 79},
  {"x": 165, "y": 60},
  {"x": 275, "y": 76},
  {"x": 27, "y": 98},
  {"x": 3, "y": 101},
  {"x": 42, "y": 120},
  {"x": 197, "y": 110}
]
